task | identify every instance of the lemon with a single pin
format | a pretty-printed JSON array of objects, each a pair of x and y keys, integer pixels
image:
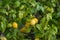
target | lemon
[
  {"x": 27, "y": 24},
  {"x": 23, "y": 30},
  {"x": 34, "y": 21},
  {"x": 36, "y": 38},
  {"x": 3, "y": 38},
  {"x": 15, "y": 25}
]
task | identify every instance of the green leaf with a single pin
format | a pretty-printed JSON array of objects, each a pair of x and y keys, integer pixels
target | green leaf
[
  {"x": 12, "y": 11},
  {"x": 21, "y": 14},
  {"x": 49, "y": 16},
  {"x": 28, "y": 30},
  {"x": 39, "y": 27},
  {"x": 16, "y": 4},
  {"x": 3, "y": 26},
  {"x": 3, "y": 11},
  {"x": 51, "y": 37},
  {"x": 54, "y": 29},
  {"x": 14, "y": 16},
  {"x": 58, "y": 15}
]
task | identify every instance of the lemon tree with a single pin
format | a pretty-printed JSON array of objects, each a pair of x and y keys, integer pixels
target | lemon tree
[{"x": 29, "y": 19}]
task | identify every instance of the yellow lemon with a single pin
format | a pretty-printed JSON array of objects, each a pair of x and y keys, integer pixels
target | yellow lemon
[
  {"x": 15, "y": 25},
  {"x": 36, "y": 38},
  {"x": 3, "y": 38},
  {"x": 34, "y": 21},
  {"x": 27, "y": 24},
  {"x": 23, "y": 29}
]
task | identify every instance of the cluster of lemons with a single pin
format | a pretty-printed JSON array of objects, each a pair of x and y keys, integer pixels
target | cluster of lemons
[
  {"x": 32, "y": 22},
  {"x": 15, "y": 25}
]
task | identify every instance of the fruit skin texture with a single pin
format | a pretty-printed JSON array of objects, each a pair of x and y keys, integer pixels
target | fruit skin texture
[
  {"x": 34, "y": 21},
  {"x": 15, "y": 25}
]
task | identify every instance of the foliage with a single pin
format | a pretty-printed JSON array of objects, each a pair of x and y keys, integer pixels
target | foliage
[{"x": 21, "y": 12}]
